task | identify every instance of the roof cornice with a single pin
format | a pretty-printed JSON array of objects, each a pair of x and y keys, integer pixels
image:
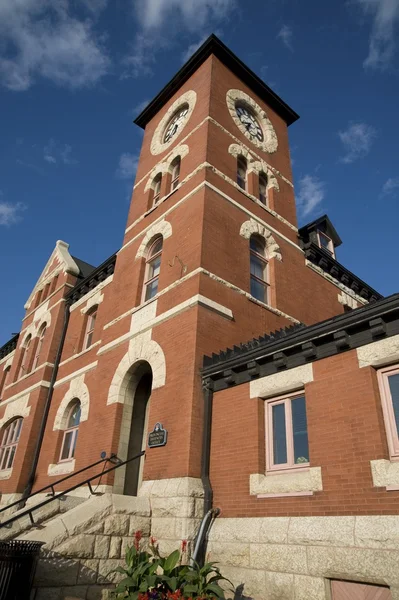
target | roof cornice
[
  {"x": 93, "y": 280},
  {"x": 9, "y": 346},
  {"x": 213, "y": 45}
]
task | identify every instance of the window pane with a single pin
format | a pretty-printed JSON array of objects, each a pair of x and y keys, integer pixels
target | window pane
[
  {"x": 151, "y": 289},
  {"x": 257, "y": 245},
  {"x": 89, "y": 339},
  {"x": 257, "y": 267},
  {"x": 300, "y": 430},
  {"x": 279, "y": 435},
  {"x": 11, "y": 457},
  {"x": 74, "y": 440},
  {"x": 66, "y": 448},
  {"x": 154, "y": 267},
  {"x": 394, "y": 388},
  {"x": 74, "y": 417},
  {"x": 258, "y": 290}
]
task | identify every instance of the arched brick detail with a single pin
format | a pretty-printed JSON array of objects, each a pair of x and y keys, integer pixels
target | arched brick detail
[
  {"x": 181, "y": 151},
  {"x": 141, "y": 349},
  {"x": 252, "y": 226},
  {"x": 163, "y": 228},
  {"x": 79, "y": 390},
  {"x": 255, "y": 165},
  {"x": 17, "y": 408}
]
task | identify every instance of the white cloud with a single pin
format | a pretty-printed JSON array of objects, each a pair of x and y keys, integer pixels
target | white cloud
[
  {"x": 10, "y": 213},
  {"x": 41, "y": 38},
  {"x": 127, "y": 166},
  {"x": 285, "y": 35},
  {"x": 311, "y": 192},
  {"x": 161, "y": 21},
  {"x": 357, "y": 140},
  {"x": 192, "y": 48},
  {"x": 385, "y": 15},
  {"x": 53, "y": 153},
  {"x": 390, "y": 187},
  {"x": 136, "y": 110}
]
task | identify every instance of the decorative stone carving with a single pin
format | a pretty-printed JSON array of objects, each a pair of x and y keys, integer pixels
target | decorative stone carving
[
  {"x": 16, "y": 408},
  {"x": 166, "y": 165},
  {"x": 163, "y": 228},
  {"x": 77, "y": 389},
  {"x": 270, "y": 142},
  {"x": 252, "y": 226},
  {"x": 157, "y": 143}
]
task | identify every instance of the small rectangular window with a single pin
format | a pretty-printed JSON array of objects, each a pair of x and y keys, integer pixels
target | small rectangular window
[
  {"x": 286, "y": 433},
  {"x": 91, "y": 321},
  {"x": 389, "y": 387},
  {"x": 326, "y": 243}
]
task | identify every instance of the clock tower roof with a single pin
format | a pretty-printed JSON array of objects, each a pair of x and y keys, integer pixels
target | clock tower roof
[{"x": 213, "y": 45}]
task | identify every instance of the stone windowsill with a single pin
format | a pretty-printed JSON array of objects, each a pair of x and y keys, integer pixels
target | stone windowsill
[
  {"x": 299, "y": 482},
  {"x": 5, "y": 474},
  {"x": 385, "y": 473},
  {"x": 61, "y": 468}
]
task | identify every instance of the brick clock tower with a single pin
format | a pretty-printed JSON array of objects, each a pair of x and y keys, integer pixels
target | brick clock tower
[{"x": 211, "y": 256}]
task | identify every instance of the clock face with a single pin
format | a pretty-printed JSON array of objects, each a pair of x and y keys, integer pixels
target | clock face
[
  {"x": 250, "y": 122},
  {"x": 175, "y": 124}
]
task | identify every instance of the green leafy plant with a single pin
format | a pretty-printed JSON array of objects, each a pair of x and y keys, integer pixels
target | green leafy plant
[{"x": 150, "y": 576}]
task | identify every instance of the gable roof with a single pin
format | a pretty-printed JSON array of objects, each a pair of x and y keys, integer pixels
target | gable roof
[{"x": 213, "y": 45}]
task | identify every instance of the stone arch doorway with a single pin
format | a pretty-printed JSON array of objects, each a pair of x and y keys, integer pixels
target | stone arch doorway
[{"x": 133, "y": 435}]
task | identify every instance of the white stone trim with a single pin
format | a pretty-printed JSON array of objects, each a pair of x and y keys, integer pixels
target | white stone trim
[
  {"x": 42, "y": 383},
  {"x": 45, "y": 364},
  {"x": 270, "y": 142},
  {"x": 87, "y": 298},
  {"x": 166, "y": 165},
  {"x": 5, "y": 474},
  {"x": 335, "y": 282},
  {"x": 157, "y": 143},
  {"x": 17, "y": 408},
  {"x": 347, "y": 300},
  {"x": 66, "y": 264},
  {"x": 250, "y": 227},
  {"x": 75, "y": 374},
  {"x": 7, "y": 360},
  {"x": 255, "y": 165},
  {"x": 77, "y": 389},
  {"x": 85, "y": 351},
  {"x": 379, "y": 353},
  {"x": 141, "y": 348},
  {"x": 62, "y": 468},
  {"x": 284, "y": 382},
  {"x": 297, "y": 481},
  {"x": 385, "y": 473},
  {"x": 47, "y": 301},
  {"x": 163, "y": 228}
]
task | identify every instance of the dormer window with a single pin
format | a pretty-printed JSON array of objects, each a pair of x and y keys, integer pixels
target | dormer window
[{"x": 326, "y": 243}]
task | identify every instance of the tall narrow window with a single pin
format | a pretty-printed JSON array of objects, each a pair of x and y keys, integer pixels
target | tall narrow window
[
  {"x": 91, "y": 322},
  {"x": 24, "y": 368},
  {"x": 9, "y": 443},
  {"x": 156, "y": 189},
  {"x": 71, "y": 431},
  {"x": 4, "y": 380},
  {"x": 175, "y": 173},
  {"x": 54, "y": 284},
  {"x": 389, "y": 388},
  {"x": 39, "y": 297},
  {"x": 242, "y": 172},
  {"x": 287, "y": 432},
  {"x": 259, "y": 268},
  {"x": 326, "y": 243},
  {"x": 39, "y": 346},
  {"x": 153, "y": 266},
  {"x": 263, "y": 188}
]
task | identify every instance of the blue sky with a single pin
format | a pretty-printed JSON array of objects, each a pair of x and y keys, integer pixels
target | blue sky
[{"x": 74, "y": 73}]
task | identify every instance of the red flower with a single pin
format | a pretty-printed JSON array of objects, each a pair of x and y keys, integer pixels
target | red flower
[
  {"x": 153, "y": 541},
  {"x": 184, "y": 545},
  {"x": 137, "y": 537}
]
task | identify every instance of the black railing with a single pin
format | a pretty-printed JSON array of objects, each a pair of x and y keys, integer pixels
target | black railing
[{"x": 54, "y": 496}]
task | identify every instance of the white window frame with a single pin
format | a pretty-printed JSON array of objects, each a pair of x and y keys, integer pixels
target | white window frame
[
  {"x": 11, "y": 434},
  {"x": 387, "y": 409},
  {"x": 90, "y": 327},
  {"x": 150, "y": 258},
  {"x": 331, "y": 248},
  {"x": 74, "y": 431}
]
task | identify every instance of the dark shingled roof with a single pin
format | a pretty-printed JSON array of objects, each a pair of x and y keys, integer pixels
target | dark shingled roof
[
  {"x": 214, "y": 46},
  {"x": 84, "y": 267}
]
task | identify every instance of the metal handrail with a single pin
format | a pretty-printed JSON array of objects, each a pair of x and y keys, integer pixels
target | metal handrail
[
  {"x": 51, "y": 485},
  {"x": 88, "y": 481}
]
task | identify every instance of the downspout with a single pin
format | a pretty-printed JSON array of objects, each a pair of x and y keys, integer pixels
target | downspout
[{"x": 39, "y": 442}]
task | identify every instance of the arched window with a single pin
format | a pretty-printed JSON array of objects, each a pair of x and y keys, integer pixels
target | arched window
[
  {"x": 71, "y": 431},
  {"x": 24, "y": 368},
  {"x": 263, "y": 188},
  {"x": 156, "y": 186},
  {"x": 152, "y": 269},
  {"x": 9, "y": 443},
  {"x": 259, "y": 268},
  {"x": 39, "y": 346},
  {"x": 91, "y": 322},
  {"x": 4, "y": 380},
  {"x": 175, "y": 173},
  {"x": 242, "y": 172}
]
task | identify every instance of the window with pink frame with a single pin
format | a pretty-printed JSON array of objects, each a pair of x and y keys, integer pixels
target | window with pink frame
[
  {"x": 389, "y": 387},
  {"x": 156, "y": 189},
  {"x": 259, "y": 268},
  {"x": 4, "y": 380},
  {"x": 152, "y": 269},
  {"x": 24, "y": 368},
  {"x": 9, "y": 443},
  {"x": 286, "y": 433},
  {"x": 242, "y": 172},
  {"x": 175, "y": 173},
  {"x": 39, "y": 346},
  {"x": 263, "y": 188},
  {"x": 326, "y": 243},
  {"x": 91, "y": 322},
  {"x": 71, "y": 432}
]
